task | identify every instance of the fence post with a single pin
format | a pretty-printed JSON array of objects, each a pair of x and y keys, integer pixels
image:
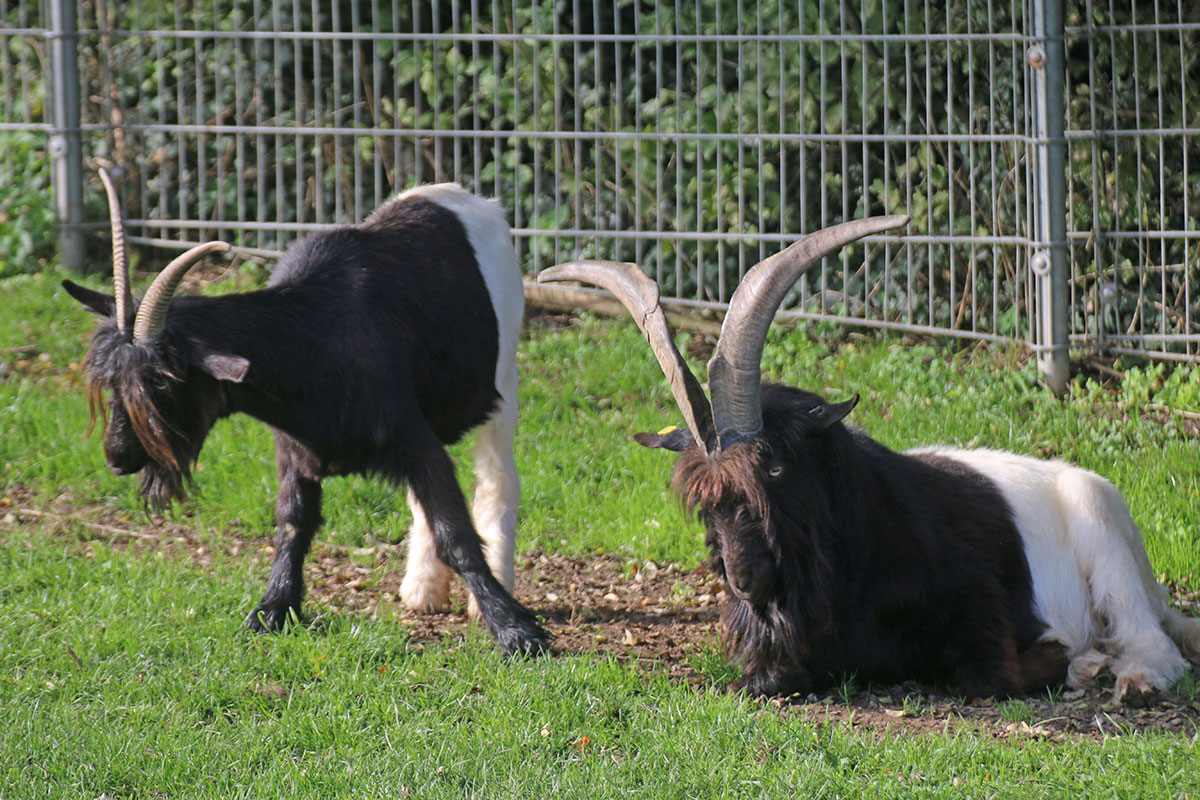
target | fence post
[
  {"x": 1048, "y": 257},
  {"x": 66, "y": 141}
]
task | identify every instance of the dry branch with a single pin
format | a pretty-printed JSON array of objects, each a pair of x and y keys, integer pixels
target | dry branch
[{"x": 566, "y": 298}]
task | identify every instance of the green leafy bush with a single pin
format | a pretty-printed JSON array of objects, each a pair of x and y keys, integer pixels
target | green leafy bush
[
  {"x": 755, "y": 123},
  {"x": 26, "y": 212}
]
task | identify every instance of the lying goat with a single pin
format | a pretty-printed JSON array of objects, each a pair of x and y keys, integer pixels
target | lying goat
[
  {"x": 371, "y": 348},
  {"x": 992, "y": 572}
]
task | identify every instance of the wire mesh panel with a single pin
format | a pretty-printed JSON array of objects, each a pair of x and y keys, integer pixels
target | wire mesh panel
[
  {"x": 1134, "y": 116},
  {"x": 21, "y": 57},
  {"x": 694, "y": 137},
  {"x": 23, "y": 219}
]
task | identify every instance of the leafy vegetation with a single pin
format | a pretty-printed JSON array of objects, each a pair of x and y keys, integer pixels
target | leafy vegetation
[
  {"x": 690, "y": 118},
  {"x": 27, "y": 235}
]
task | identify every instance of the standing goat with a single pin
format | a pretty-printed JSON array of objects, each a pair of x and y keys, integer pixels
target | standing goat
[
  {"x": 370, "y": 349},
  {"x": 993, "y": 572}
]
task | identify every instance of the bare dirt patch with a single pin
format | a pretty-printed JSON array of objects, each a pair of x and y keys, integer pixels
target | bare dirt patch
[{"x": 660, "y": 616}]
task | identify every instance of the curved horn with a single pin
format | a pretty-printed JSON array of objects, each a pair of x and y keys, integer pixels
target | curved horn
[
  {"x": 640, "y": 296},
  {"x": 123, "y": 296},
  {"x": 152, "y": 313},
  {"x": 734, "y": 372}
]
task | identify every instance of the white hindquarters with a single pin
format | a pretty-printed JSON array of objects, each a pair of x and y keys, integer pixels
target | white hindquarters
[
  {"x": 1092, "y": 581},
  {"x": 497, "y": 489}
]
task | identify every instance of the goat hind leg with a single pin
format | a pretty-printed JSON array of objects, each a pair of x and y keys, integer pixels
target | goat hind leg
[
  {"x": 297, "y": 516},
  {"x": 497, "y": 491},
  {"x": 435, "y": 485},
  {"x": 1122, "y": 587},
  {"x": 426, "y": 584}
]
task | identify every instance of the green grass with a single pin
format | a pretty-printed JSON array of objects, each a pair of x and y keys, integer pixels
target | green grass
[
  {"x": 125, "y": 672},
  {"x": 128, "y": 676}
]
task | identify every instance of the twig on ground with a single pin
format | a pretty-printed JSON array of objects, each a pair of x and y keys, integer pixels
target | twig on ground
[{"x": 99, "y": 526}]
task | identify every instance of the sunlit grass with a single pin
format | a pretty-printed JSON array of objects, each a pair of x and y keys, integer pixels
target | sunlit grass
[{"x": 127, "y": 673}]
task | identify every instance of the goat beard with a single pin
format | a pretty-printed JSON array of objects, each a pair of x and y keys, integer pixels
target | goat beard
[
  {"x": 761, "y": 637},
  {"x": 167, "y": 473},
  {"x": 162, "y": 485}
]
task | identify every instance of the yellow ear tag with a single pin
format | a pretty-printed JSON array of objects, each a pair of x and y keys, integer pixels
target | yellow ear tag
[{"x": 668, "y": 429}]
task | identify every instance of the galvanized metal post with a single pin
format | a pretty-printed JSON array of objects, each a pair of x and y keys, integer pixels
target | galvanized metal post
[
  {"x": 66, "y": 141},
  {"x": 1048, "y": 257}
]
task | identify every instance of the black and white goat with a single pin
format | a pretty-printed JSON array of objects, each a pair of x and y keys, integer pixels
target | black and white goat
[
  {"x": 989, "y": 571},
  {"x": 370, "y": 349}
]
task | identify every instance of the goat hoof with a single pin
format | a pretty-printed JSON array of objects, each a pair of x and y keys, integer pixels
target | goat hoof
[
  {"x": 1085, "y": 667},
  {"x": 526, "y": 640},
  {"x": 271, "y": 619},
  {"x": 1136, "y": 693},
  {"x": 425, "y": 597}
]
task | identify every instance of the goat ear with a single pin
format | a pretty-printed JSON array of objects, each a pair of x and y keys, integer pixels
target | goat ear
[
  {"x": 826, "y": 414},
  {"x": 674, "y": 439},
  {"x": 98, "y": 302},
  {"x": 225, "y": 366}
]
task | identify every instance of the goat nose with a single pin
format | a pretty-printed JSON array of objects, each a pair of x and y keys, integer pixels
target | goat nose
[
  {"x": 748, "y": 583},
  {"x": 752, "y": 583},
  {"x": 125, "y": 464}
]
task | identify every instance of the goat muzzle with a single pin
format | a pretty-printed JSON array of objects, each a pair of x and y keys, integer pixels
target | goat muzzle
[{"x": 754, "y": 583}]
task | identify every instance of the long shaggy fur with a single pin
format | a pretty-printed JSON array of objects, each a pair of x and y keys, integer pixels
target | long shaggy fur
[
  {"x": 767, "y": 637},
  {"x": 993, "y": 573},
  {"x": 142, "y": 381}
]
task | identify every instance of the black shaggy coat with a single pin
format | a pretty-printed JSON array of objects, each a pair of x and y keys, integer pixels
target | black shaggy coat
[
  {"x": 358, "y": 364},
  {"x": 370, "y": 349},
  {"x": 880, "y": 566}
]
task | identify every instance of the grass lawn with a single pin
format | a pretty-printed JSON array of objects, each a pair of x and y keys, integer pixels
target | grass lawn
[{"x": 125, "y": 671}]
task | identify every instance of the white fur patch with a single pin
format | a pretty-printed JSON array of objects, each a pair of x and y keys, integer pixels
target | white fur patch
[
  {"x": 426, "y": 584},
  {"x": 490, "y": 236}
]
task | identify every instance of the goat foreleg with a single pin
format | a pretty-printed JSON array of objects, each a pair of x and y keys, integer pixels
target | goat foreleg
[
  {"x": 426, "y": 584},
  {"x": 297, "y": 515}
]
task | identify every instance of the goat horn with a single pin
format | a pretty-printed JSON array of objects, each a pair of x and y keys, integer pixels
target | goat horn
[
  {"x": 640, "y": 296},
  {"x": 122, "y": 293},
  {"x": 152, "y": 313},
  {"x": 734, "y": 372}
]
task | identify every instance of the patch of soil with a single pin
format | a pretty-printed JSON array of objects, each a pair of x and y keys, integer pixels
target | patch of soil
[{"x": 658, "y": 615}]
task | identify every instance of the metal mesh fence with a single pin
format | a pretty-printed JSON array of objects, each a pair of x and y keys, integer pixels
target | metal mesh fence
[
  {"x": 1134, "y": 89},
  {"x": 694, "y": 138},
  {"x": 23, "y": 131},
  {"x": 21, "y": 90}
]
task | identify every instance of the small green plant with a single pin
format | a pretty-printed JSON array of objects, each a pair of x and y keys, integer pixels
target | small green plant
[
  {"x": 1187, "y": 687},
  {"x": 847, "y": 689},
  {"x": 913, "y": 705},
  {"x": 1015, "y": 710}
]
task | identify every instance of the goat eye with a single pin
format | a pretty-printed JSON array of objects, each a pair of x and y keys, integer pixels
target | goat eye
[{"x": 775, "y": 471}]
